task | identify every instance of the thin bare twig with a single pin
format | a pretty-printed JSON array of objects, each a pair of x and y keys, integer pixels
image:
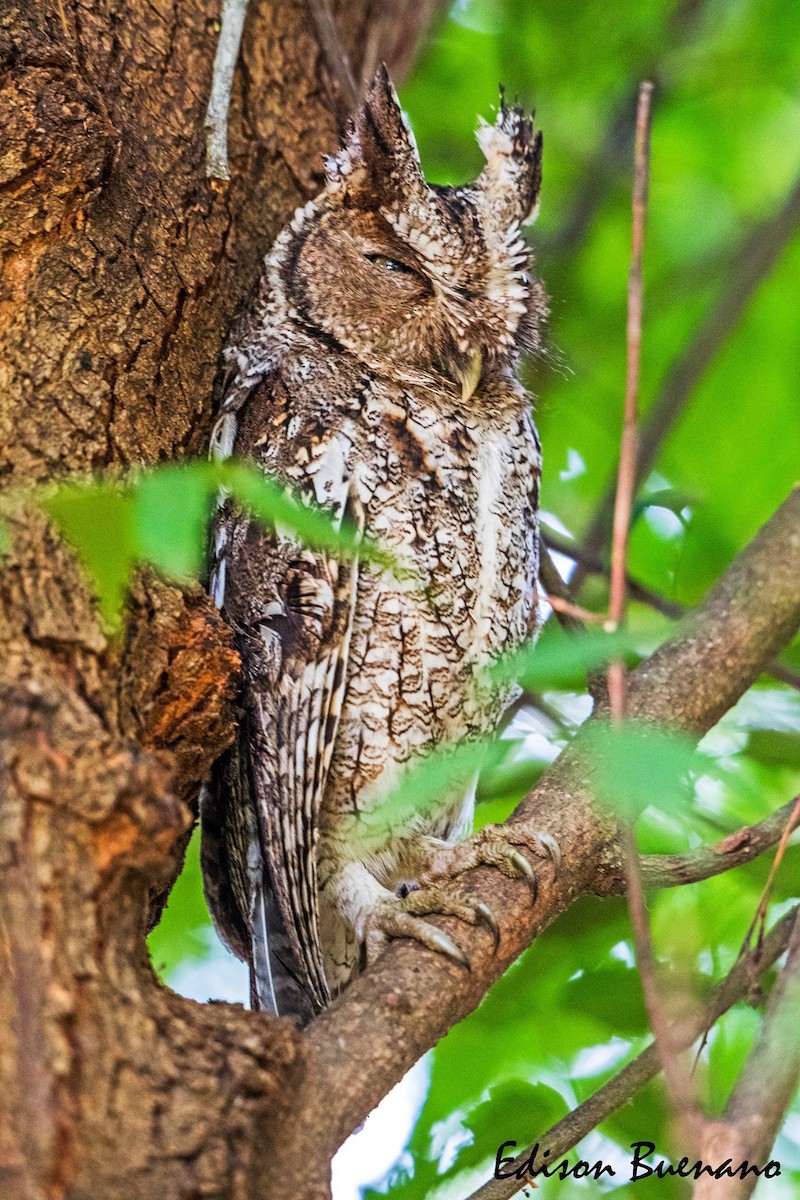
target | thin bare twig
[
  {"x": 572, "y": 618},
  {"x": 225, "y": 59},
  {"x": 764, "y": 1089},
  {"x": 677, "y": 1078},
  {"x": 783, "y": 674},
  {"x": 754, "y": 260},
  {"x": 627, "y": 458},
  {"x": 566, "y": 1134},
  {"x": 735, "y": 849},
  {"x": 593, "y": 564},
  {"x": 558, "y": 590},
  {"x": 567, "y": 609},
  {"x": 627, "y": 469},
  {"x": 760, "y": 917}
]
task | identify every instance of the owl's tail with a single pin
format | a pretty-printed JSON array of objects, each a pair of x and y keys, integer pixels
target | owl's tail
[
  {"x": 275, "y": 985},
  {"x": 240, "y": 898},
  {"x": 262, "y": 980}
]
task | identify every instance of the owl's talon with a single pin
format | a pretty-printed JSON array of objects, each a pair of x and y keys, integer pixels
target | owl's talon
[
  {"x": 549, "y": 843},
  {"x": 524, "y": 869},
  {"x": 397, "y": 922},
  {"x": 446, "y": 946},
  {"x": 493, "y": 846},
  {"x": 486, "y": 917},
  {"x": 401, "y": 917}
]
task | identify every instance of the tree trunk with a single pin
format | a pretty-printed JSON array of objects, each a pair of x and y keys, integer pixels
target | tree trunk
[{"x": 121, "y": 270}]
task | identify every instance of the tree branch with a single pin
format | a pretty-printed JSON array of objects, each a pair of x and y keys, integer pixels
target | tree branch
[
  {"x": 404, "y": 1004},
  {"x": 674, "y": 870},
  {"x": 594, "y": 565},
  {"x": 225, "y": 59},
  {"x": 764, "y": 1089},
  {"x": 569, "y": 615},
  {"x": 566, "y": 1133}
]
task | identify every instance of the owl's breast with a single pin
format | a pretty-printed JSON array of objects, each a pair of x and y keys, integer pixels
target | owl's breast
[{"x": 457, "y": 501}]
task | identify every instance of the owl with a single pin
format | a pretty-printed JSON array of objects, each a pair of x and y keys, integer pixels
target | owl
[{"x": 375, "y": 374}]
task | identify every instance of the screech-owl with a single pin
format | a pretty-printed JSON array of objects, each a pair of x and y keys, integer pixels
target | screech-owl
[{"x": 375, "y": 372}]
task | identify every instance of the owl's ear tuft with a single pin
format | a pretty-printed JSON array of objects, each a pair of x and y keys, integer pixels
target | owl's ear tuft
[
  {"x": 513, "y": 173},
  {"x": 379, "y": 155}
]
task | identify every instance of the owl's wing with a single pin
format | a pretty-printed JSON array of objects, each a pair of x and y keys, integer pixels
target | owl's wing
[{"x": 292, "y": 612}]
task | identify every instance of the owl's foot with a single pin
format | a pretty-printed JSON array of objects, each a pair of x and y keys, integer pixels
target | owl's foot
[
  {"x": 493, "y": 846},
  {"x": 400, "y": 916}
]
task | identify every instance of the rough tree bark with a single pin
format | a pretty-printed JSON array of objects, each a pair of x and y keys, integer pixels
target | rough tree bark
[{"x": 121, "y": 270}]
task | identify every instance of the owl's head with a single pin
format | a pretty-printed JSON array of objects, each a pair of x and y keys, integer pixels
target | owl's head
[{"x": 425, "y": 285}]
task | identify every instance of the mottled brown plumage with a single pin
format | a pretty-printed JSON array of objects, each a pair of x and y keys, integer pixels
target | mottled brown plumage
[{"x": 376, "y": 373}]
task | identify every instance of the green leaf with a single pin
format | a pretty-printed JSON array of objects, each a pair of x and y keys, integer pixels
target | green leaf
[
  {"x": 183, "y": 933},
  {"x": 611, "y": 992},
  {"x": 272, "y": 503},
  {"x": 516, "y": 1110},
  {"x": 160, "y": 517},
  {"x": 555, "y": 662},
  {"x": 99, "y": 519},
  {"x": 775, "y": 747},
  {"x": 172, "y": 506},
  {"x": 634, "y": 765}
]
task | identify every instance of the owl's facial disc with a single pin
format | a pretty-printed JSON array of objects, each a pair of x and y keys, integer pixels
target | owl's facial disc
[
  {"x": 354, "y": 280},
  {"x": 425, "y": 301}
]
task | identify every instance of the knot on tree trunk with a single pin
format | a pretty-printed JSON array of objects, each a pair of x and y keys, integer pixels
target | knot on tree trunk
[{"x": 178, "y": 678}]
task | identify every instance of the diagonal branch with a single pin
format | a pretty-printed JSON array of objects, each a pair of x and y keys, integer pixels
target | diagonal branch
[
  {"x": 592, "y": 564},
  {"x": 358, "y": 1049},
  {"x": 566, "y": 1134},
  {"x": 570, "y": 616},
  {"x": 335, "y": 57}
]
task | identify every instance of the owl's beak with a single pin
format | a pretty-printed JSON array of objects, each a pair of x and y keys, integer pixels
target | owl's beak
[{"x": 470, "y": 375}]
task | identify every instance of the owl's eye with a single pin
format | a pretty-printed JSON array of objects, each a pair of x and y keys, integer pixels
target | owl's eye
[{"x": 390, "y": 264}]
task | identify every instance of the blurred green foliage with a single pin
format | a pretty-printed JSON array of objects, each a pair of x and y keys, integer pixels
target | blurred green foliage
[
  {"x": 160, "y": 517},
  {"x": 725, "y": 155},
  {"x": 182, "y": 935},
  {"x": 725, "y": 158}
]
